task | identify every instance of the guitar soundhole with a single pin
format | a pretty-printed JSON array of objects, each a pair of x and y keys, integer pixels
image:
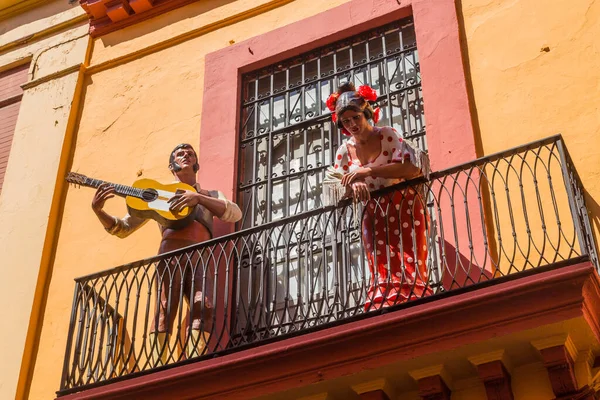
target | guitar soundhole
[{"x": 149, "y": 195}]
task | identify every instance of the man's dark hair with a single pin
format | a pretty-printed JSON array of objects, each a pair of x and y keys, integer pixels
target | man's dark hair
[{"x": 176, "y": 167}]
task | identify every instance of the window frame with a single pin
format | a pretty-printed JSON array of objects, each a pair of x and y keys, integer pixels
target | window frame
[{"x": 449, "y": 124}]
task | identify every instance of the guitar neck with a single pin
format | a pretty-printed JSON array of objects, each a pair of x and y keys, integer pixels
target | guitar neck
[{"x": 120, "y": 190}]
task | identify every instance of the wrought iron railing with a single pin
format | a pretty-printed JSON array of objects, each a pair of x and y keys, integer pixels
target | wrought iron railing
[{"x": 475, "y": 224}]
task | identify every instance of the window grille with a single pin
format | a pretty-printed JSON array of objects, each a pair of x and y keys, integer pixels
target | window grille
[
  {"x": 287, "y": 141},
  {"x": 287, "y": 138}
]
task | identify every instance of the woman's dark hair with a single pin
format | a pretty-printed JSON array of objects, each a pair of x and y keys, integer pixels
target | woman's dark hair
[
  {"x": 366, "y": 109},
  {"x": 346, "y": 87}
]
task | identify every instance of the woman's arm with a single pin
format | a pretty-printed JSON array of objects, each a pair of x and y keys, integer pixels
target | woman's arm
[
  {"x": 398, "y": 170},
  {"x": 405, "y": 163}
]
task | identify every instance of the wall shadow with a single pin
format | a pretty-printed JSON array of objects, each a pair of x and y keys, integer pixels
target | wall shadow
[
  {"x": 594, "y": 215},
  {"x": 459, "y": 271},
  {"x": 468, "y": 79}
]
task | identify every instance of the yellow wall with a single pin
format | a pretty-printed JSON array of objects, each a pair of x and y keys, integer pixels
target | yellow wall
[
  {"x": 523, "y": 93},
  {"x": 56, "y": 45},
  {"x": 142, "y": 94},
  {"x": 531, "y": 382}
]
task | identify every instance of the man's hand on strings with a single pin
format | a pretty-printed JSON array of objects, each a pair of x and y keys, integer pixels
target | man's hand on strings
[
  {"x": 182, "y": 199},
  {"x": 105, "y": 191}
]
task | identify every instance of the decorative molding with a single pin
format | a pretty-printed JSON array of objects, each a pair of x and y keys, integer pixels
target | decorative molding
[
  {"x": 118, "y": 10},
  {"x": 497, "y": 355},
  {"x": 433, "y": 388},
  {"x": 433, "y": 382},
  {"x": 561, "y": 370},
  {"x": 434, "y": 370},
  {"x": 560, "y": 365},
  {"x": 51, "y": 30},
  {"x": 371, "y": 389},
  {"x": 110, "y": 15},
  {"x": 55, "y": 75},
  {"x": 494, "y": 369},
  {"x": 558, "y": 340},
  {"x": 19, "y": 7},
  {"x": 496, "y": 380},
  {"x": 585, "y": 393},
  {"x": 559, "y": 355}
]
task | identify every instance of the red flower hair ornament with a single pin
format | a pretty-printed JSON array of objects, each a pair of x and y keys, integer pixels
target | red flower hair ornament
[
  {"x": 331, "y": 100},
  {"x": 376, "y": 115},
  {"x": 364, "y": 92},
  {"x": 367, "y": 93}
]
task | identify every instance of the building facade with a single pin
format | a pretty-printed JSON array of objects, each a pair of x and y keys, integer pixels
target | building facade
[{"x": 500, "y": 94}]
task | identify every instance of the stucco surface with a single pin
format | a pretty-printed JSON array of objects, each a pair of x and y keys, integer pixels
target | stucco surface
[
  {"x": 134, "y": 111},
  {"x": 25, "y": 204},
  {"x": 141, "y": 99},
  {"x": 535, "y": 72},
  {"x": 46, "y": 16},
  {"x": 189, "y": 21},
  {"x": 29, "y": 190}
]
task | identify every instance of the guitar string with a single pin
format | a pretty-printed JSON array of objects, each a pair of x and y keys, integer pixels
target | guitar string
[{"x": 122, "y": 189}]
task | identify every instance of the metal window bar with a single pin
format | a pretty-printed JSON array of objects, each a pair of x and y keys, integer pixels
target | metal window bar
[
  {"x": 499, "y": 217},
  {"x": 287, "y": 139}
]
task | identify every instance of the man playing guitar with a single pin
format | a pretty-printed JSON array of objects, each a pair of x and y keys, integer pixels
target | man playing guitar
[{"x": 183, "y": 163}]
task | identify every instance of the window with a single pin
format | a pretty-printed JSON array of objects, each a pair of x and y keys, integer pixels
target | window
[
  {"x": 287, "y": 139},
  {"x": 10, "y": 101}
]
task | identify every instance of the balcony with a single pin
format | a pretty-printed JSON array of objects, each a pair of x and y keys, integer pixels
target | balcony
[{"x": 502, "y": 218}]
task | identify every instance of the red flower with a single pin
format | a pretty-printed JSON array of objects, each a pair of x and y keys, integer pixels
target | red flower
[
  {"x": 334, "y": 117},
  {"x": 367, "y": 93},
  {"x": 376, "y": 114},
  {"x": 331, "y": 100}
]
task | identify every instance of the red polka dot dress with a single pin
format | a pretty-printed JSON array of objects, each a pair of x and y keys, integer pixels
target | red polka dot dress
[{"x": 393, "y": 228}]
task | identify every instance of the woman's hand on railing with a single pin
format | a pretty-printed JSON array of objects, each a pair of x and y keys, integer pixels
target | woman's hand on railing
[
  {"x": 358, "y": 174},
  {"x": 360, "y": 191}
]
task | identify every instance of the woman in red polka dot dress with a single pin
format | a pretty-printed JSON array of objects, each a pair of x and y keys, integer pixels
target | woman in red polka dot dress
[{"x": 394, "y": 224}]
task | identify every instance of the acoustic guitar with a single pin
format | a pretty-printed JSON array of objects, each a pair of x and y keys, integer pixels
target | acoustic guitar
[{"x": 146, "y": 198}]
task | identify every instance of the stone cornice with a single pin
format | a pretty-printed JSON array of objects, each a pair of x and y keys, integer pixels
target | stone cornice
[{"x": 110, "y": 15}]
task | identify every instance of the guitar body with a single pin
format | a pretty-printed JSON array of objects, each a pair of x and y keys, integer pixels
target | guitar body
[{"x": 154, "y": 204}]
